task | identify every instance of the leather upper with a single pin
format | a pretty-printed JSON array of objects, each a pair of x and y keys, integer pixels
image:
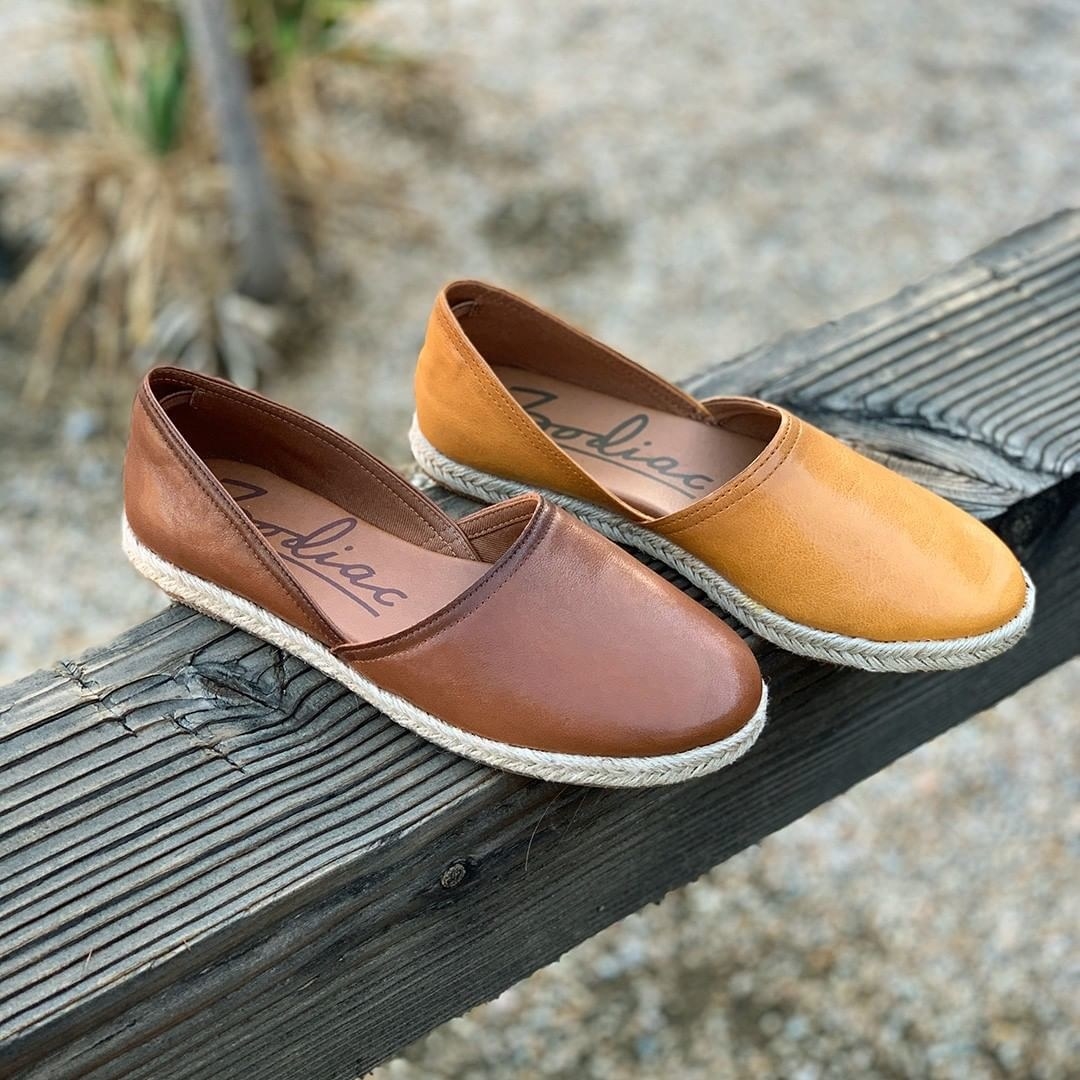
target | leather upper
[
  {"x": 811, "y": 529},
  {"x": 471, "y": 417},
  {"x": 177, "y": 509},
  {"x": 836, "y": 541},
  {"x": 565, "y": 636},
  {"x": 565, "y": 642}
]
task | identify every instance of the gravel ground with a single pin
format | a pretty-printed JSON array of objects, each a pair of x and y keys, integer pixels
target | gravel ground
[{"x": 687, "y": 180}]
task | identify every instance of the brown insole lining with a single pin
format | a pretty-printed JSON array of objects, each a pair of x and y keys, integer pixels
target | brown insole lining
[
  {"x": 652, "y": 460},
  {"x": 367, "y": 583}
]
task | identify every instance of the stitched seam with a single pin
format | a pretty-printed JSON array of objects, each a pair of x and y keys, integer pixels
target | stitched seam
[
  {"x": 510, "y": 572},
  {"x": 179, "y": 452},
  {"x": 527, "y": 427},
  {"x": 283, "y": 415},
  {"x": 715, "y": 511},
  {"x": 683, "y": 519},
  {"x": 476, "y": 369},
  {"x": 495, "y": 528},
  {"x": 753, "y": 478},
  {"x": 528, "y": 545},
  {"x": 618, "y": 364},
  {"x": 652, "y": 385},
  {"x": 472, "y": 611},
  {"x": 338, "y": 450}
]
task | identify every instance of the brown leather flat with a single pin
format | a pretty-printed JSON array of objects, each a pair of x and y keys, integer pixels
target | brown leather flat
[{"x": 517, "y": 636}]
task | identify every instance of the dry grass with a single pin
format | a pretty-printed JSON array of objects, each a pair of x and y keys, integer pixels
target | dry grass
[{"x": 137, "y": 260}]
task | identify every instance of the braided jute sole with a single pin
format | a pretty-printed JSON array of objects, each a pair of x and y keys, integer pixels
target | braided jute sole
[
  {"x": 794, "y": 637},
  {"x": 595, "y": 771}
]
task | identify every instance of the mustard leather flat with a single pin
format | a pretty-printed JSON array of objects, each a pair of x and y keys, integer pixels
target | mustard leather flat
[
  {"x": 517, "y": 636},
  {"x": 813, "y": 546}
]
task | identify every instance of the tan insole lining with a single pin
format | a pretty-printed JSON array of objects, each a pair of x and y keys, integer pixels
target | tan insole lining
[
  {"x": 652, "y": 460},
  {"x": 367, "y": 583}
]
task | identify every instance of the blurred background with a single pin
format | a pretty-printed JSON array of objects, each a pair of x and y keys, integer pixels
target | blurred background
[{"x": 685, "y": 180}]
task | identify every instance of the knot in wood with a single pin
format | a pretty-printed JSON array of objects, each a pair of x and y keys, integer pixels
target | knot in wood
[{"x": 453, "y": 875}]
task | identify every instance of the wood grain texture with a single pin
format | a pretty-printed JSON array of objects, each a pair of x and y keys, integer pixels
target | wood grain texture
[
  {"x": 968, "y": 382},
  {"x": 216, "y": 862}
]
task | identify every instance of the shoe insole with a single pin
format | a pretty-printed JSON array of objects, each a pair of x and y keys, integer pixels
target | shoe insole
[
  {"x": 367, "y": 583},
  {"x": 652, "y": 460}
]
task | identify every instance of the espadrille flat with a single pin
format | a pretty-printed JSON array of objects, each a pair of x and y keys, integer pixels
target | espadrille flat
[
  {"x": 813, "y": 546},
  {"x": 516, "y": 636}
]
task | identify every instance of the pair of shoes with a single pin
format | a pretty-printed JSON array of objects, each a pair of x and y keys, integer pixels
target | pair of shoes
[{"x": 519, "y": 636}]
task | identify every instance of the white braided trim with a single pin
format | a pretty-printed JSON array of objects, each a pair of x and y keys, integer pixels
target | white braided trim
[
  {"x": 596, "y": 771},
  {"x": 803, "y": 640}
]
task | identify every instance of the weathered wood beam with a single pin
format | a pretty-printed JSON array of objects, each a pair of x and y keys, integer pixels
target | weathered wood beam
[
  {"x": 969, "y": 382},
  {"x": 215, "y": 862}
]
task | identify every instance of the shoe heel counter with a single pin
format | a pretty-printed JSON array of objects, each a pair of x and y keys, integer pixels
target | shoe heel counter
[
  {"x": 155, "y": 485},
  {"x": 466, "y": 414},
  {"x": 462, "y": 409},
  {"x": 437, "y": 387},
  {"x": 177, "y": 516}
]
